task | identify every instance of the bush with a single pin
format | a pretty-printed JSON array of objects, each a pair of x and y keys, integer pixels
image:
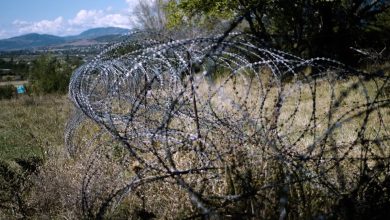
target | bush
[
  {"x": 7, "y": 92},
  {"x": 15, "y": 185},
  {"x": 50, "y": 75}
]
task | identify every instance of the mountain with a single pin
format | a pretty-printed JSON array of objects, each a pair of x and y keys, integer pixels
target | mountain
[
  {"x": 99, "y": 32},
  {"x": 31, "y": 41}
]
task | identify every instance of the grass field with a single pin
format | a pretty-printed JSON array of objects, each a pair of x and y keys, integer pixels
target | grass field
[{"x": 32, "y": 126}]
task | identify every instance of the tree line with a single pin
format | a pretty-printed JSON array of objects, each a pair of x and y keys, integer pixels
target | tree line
[
  {"x": 50, "y": 74},
  {"x": 46, "y": 74},
  {"x": 347, "y": 30}
]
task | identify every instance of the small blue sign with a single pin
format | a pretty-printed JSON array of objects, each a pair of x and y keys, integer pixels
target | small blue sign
[{"x": 21, "y": 89}]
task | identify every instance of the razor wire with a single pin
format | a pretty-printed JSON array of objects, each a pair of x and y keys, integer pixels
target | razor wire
[{"x": 196, "y": 111}]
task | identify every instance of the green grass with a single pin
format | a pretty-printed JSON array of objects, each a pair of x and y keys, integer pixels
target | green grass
[
  {"x": 32, "y": 126},
  {"x": 12, "y": 152}
]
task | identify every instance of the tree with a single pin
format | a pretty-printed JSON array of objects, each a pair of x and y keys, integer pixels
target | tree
[
  {"x": 150, "y": 14},
  {"x": 49, "y": 74},
  {"x": 306, "y": 28}
]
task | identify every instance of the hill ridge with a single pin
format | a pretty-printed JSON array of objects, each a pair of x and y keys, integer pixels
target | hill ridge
[{"x": 36, "y": 40}]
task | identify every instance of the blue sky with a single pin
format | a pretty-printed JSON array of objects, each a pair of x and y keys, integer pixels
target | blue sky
[{"x": 63, "y": 17}]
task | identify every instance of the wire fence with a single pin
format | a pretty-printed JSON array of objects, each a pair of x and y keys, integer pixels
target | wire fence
[{"x": 229, "y": 127}]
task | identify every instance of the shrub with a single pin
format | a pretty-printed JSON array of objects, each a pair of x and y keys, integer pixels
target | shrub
[
  {"x": 15, "y": 185},
  {"x": 7, "y": 92},
  {"x": 50, "y": 75}
]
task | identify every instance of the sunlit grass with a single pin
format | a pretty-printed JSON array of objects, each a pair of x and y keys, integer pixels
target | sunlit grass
[{"x": 32, "y": 126}]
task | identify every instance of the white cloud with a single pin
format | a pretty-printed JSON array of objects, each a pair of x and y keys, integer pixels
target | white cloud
[
  {"x": 115, "y": 20},
  {"x": 99, "y": 18},
  {"x": 85, "y": 18},
  {"x": 45, "y": 26},
  {"x": 19, "y": 23}
]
